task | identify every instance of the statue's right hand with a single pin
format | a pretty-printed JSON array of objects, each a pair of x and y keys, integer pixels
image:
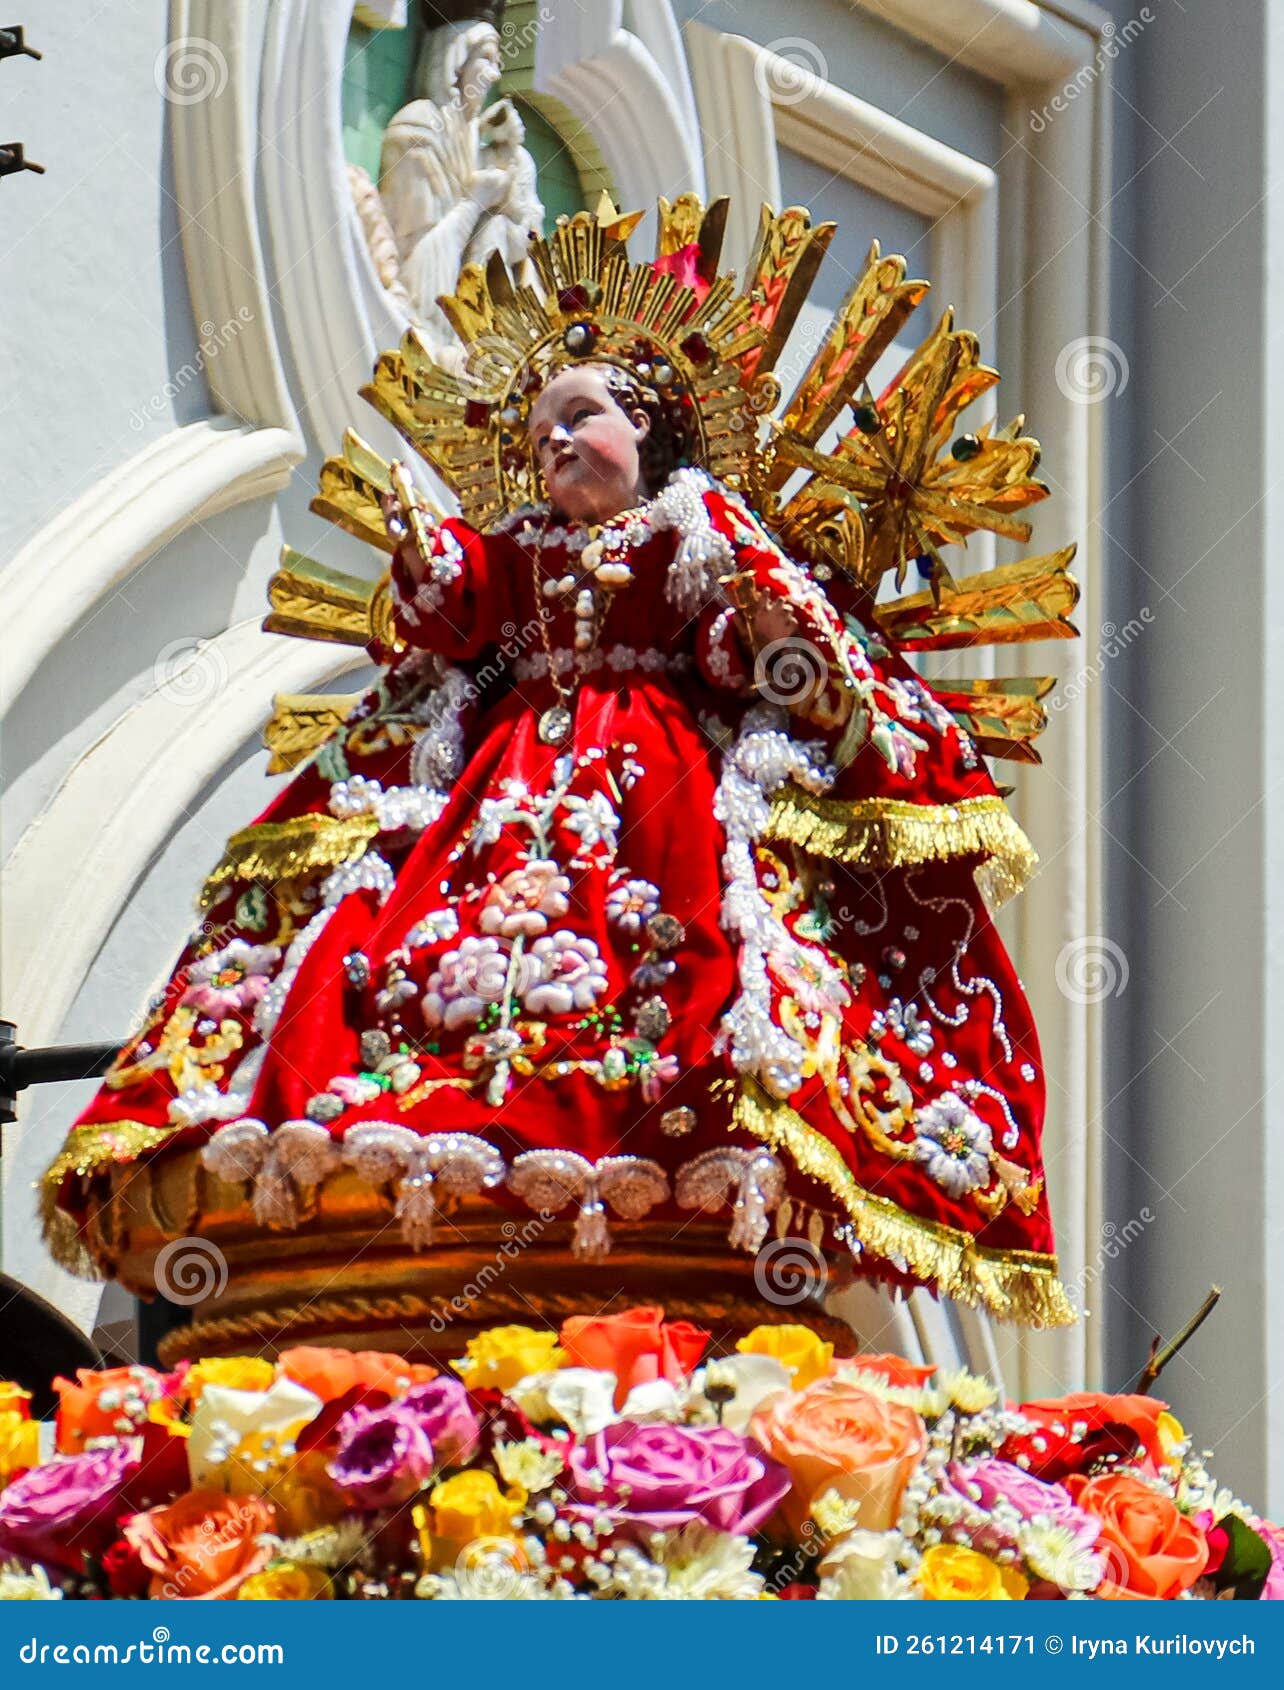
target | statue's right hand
[{"x": 397, "y": 525}]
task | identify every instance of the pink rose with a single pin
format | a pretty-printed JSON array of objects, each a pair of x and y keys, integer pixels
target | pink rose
[
  {"x": 384, "y": 1456},
  {"x": 442, "y": 1409},
  {"x": 660, "y": 1477},
  {"x": 1273, "y": 1537},
  {"x": 61, "y": 1511},
  {"x": 984, "y": 1483}
]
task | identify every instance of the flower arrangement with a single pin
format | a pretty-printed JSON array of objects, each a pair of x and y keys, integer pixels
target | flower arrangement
[{"x": 615, "y": 1459}]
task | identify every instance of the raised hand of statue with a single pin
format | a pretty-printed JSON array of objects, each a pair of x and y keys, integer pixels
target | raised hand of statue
[{"x": 407, "y": 522}]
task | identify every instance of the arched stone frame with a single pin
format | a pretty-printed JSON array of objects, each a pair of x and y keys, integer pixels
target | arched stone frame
[{"x": 1057, "y": 250}]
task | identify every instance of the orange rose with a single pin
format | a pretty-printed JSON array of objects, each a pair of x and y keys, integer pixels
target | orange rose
[
  {"x": 1152, "y": 1550},
  {"x": 109, "y": 1404},
  {"x": 204, "y": 1545},
  {"x": 638, "y": 1346},
  {"x": 895, "y": 1369},
  {"x": 833, "y": 1436},
  {"x": 333, "y": 1373}
]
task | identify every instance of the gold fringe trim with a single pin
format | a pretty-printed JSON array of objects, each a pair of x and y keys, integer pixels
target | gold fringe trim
[
  {"x": 276, "y": 850},
  {"x": 88, "y": 1150},
  {"x": 1017, "y": 1285},
  {"x": 889, "y": 833}
]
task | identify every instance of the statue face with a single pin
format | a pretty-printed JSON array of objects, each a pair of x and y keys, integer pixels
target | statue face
[
  {"x": 587, "y": 446},
  {"x": 478, "y": 74}
]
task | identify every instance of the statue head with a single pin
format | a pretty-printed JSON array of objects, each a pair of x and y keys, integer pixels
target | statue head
[
  {"x": 598, "y": 439},
  {"x": 459, "y": 65}
]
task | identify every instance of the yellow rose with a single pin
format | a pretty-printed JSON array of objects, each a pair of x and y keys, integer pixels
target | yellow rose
[
  {"x": 238, "y": 1373},
  {"x": 504, "y": 1354},
  {"x": 1172, "y": 1436},
  {"x": 467, "y": 1507},
  {"x": 306, "y": 1497},
  {"x": 797, "y": 1348},
  {"x": 14, "y": 1398},
  {"x": 287, "y": 1581},
  {"x": 19, "y": 1444},
  {"x": 950, "y": 1572}
]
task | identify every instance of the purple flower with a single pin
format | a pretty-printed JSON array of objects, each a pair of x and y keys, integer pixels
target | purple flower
[
  {"x": 660, "y": 1477},
  {"x": 384, "y": 1456},
  {"x": 984, "y": 1483},
  {"x": 57, "y": 1513},
  {"x": 444, "y": 1412}
]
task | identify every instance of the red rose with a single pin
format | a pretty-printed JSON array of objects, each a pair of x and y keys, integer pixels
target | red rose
[
  {"x": 1125, "y": 1427},
  {"x": 126, "y": 1574}
]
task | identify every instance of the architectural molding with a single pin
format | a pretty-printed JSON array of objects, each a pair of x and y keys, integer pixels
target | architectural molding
[
  {"x": 212, "y": 142},
  {"x": 623, "y": 85},
  {"x": 248, "y": 447},
  {"x": 95, "y": 544},
  {"x": 1017, "y": 43},
  {"x": 337, "y": 315},
  {"x": 163, "y": 750}
]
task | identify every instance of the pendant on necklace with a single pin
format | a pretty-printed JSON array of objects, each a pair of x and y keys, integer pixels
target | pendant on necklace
[{"x": 555, "y": 725}]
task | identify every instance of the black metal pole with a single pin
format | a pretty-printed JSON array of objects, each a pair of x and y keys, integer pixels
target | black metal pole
[{"x": 45, "y": 1065}]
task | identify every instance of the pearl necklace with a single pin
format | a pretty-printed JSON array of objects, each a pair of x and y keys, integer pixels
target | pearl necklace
[{"x": 602, "y": 561}]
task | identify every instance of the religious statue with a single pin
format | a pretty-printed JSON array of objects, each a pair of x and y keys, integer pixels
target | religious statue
[
  {"x": 649, "y": 887},
  {"x": 455, "y": 181}
]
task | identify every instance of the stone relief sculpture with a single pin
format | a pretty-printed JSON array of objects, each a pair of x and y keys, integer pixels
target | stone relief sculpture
[{"x": 456, "y": 182}]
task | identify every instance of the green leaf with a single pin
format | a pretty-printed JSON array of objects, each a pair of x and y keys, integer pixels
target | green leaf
[{"x": 1247, "y": 1562}]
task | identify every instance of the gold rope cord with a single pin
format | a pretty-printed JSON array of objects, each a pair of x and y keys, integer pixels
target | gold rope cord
[
  {"x": 276, "y": 850},
  {"x": 1019, "y": 1285},
  {"x": 889, "y": 833}
]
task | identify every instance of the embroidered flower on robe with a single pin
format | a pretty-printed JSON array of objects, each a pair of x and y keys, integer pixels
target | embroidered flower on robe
[
  {"x": 232, "y": 979},
  {"x": 465, "y": 981},
  {"x": 593, "y": 819},
  {"x": 631, "y": 902},
  {"x": 525, "y": 900},
  {"x": 439, "y": 925},
  {"x": 809, "y": 975},
  {"x": 904, "y": 1021},
  {"x": 953, "y": 1144},
  {"x": 572, "y": 975}
]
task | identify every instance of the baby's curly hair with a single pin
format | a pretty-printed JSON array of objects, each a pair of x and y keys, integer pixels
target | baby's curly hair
[{"x": 666, "y": 447}]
